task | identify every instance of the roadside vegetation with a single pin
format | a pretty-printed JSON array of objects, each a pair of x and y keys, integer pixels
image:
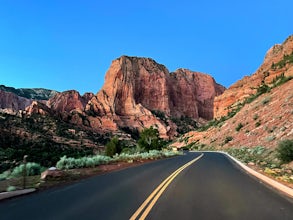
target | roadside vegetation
[
  {"x": 71, "y": 163},
  {"x": 274, "y": 163},
  {"x": 285, "y": 151},
  {"x": 149, "y": 147}
]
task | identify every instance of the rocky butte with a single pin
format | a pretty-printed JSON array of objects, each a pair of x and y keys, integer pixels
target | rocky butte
[
  {"x": 137, "y": 88},
  {"x": 138, "y": 93}
]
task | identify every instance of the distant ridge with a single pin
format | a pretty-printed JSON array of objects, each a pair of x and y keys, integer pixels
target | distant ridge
[{"x": 36, "y": 93}]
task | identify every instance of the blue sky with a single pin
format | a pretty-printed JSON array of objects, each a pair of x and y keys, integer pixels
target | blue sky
[{"x": 70, "y": 44}]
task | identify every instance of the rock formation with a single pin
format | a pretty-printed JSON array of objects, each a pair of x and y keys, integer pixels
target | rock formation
[
  {"x": 68, "y": 101},
  {"x": 13, "y": 102},
  {"x": 35, "y": 94},
  {"x": 135, "y": 87},
  {"x": 278, "y": 60},
  {"x": 263, "y": 122},
  {"x": 192, "y": 94}
]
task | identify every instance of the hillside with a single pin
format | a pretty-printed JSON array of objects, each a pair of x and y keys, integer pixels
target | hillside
[
  {"x": 278, "y": 61},
  {"x": 256, "y": 110},
  {"x": 265, "y": 121},
  {"x": 36, "y": 94},
  {"x": 254, "y": 116}
]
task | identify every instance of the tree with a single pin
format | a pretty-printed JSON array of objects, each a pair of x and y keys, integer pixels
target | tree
[
  {"x": 149, "y": 139},
  {"x": 113, "y": 147},
  {"x": 285, "y": 151}
]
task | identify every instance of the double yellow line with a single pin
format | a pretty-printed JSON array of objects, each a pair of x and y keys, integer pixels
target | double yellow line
[{"x": 148, "y": 204}]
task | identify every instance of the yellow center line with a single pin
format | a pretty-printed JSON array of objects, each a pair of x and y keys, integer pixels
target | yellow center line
[{"x": 155, "y": 195}]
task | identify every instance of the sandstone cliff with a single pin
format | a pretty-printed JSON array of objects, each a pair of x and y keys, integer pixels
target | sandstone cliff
[
  {"x": 192, "y": 94},
  {"x": 278, "y": 60},
  {"x": 12, "y": 102},
  {"x": 68, "y": 101},
  {"x": 263, "y": 122},
  {"x": 135, "y": 88}
]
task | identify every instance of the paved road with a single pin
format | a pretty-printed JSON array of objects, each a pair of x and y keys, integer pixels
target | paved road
[{"x": 211, "y": 188}]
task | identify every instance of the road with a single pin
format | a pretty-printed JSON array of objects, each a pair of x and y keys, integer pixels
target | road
[{"x": 212, "y": 187}]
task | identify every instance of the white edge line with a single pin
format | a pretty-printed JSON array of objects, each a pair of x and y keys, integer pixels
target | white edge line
[{"x": 279, "y": 186}]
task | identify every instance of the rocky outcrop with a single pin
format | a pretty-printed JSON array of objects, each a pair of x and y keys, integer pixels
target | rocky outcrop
[
  {"x": 135, "y": 87},
  {"x": 278, "y": 60},
  {"x": 192, "y": 94},
  {"x": 264, "y": 122},
  {"x": 68, "y": 101},
  {"x": 13, "y": 102},
  {"x": 138, "y": 93},
  {"x": 38, "y": 108}
]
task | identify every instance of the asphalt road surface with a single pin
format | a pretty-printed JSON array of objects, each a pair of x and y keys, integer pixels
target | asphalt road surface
[{"x": 212, "y": 187}]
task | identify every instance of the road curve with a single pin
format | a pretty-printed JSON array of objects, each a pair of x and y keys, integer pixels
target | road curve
[{"x": 212, "y": 187}]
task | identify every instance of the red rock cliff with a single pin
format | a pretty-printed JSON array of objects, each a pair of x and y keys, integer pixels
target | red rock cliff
[
  {"x": 68, "y": 101},
  {"x": 136, "y": 86},
  {"x": 274, "y": 65},
  {"x": 13, "y": 102}
]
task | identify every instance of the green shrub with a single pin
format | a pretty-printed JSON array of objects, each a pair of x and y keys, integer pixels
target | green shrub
[
  {"x": 72, "y": 163},
  {"x": 149, "y": 139},
  {"x": 10, "y": 188},
  {"x": 31, "y": 170},
  {"x": 285, "y": 151},
  {"x": 257, "y": 124},
  {"x": 4, "y": 175},
  {"x": 228, "y": 139},
  {"x": 66, "y": 163},
  {"x": 246, "y": 154},
  {"x": 239, "y": 126},
  {"x": 263, "y": 88},
  {"x": 282, "y": 63},
  {"x": 113, "y": 147}
]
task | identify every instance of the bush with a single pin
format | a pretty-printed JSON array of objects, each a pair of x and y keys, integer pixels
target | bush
[
  {"x": 285, "y": 151},
  {"x": 149, "y": 139},
  {"x": 4, "y": 175},
  {"x": 246, "y": 154},
  {"x": 10, "y": 188},
  {"x": 72, "y": 163},
  {"x": 239, "y": 126},
  {"x": 228, "y": 139},
  {"x": 257, "y": 124},
  {"x": 66, "y": 163},
  {"x": 263, "y": 88},
  {"x": 255, "y": 117},
  {"x": 114, "y": 146},
  {"x": 31, "y": 170}
]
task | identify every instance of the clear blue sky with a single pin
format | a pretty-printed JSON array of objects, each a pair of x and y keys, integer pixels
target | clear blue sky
[{"x": 69, "y": 44}]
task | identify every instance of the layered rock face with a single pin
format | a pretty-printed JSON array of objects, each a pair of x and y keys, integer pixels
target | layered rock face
[
  {"x": 68, "y": 101},
  {"x": 192, "y": 94},
  {"x": 12, "y": 102},
  {"x": 266, "y": 121},
  {"x": 136, "y": 86},
  {"x": 136, "y": 91},
  {"x": 276, "y": 62}
]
